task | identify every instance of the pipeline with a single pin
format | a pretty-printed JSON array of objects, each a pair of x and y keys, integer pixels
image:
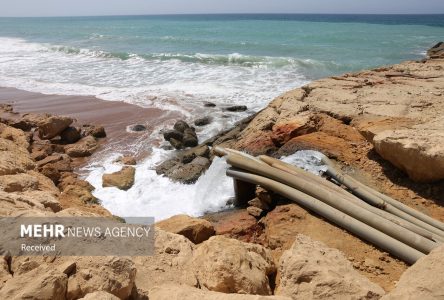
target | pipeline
[
  {"x": 391, "y": 205},
  {"x": 334, "y": 199},
  {"x": 294, "y": 170},
  {"x": 368, "y": 233}
]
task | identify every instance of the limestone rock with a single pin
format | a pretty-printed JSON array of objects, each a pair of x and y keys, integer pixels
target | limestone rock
[
  {"x": 123, "y": 179},
  {"x": 423, "y": 280},
  {"x": 40, "y": 283},
  {"x": 311, "y": 270},
  {"x": 100, "y": 295},
  {"x": 181, "y": 292},
  {"x": 114, "y": 275},
  {"x": 436, "y": 51},
  {"x": 84, "y": 147},
  {"x": 18, "y": 183},
  {"x": 52, "y": 126},
  {"x": 230, "y": 266},
  {"x": 194, "y": 229},
  {"x": 418, "y": 152},
  {"x": 13, "y": 159},
  {"x": 17, "y": 136},
  {"x": 170, "y": 263},
  {"x": 127, "y": 160},
  {"x": 93, "y": 130}
]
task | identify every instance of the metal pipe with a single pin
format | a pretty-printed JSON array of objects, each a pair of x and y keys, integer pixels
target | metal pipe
[
  {"x": 333, "y": 199},
  {"x": 362, "y": 230}
]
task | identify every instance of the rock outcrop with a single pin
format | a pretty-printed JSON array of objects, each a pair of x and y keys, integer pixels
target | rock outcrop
[
  {"x": 436, "y": 51},
  {"x": 85, "y": 147},
  {"x": 194, "y": 229},
  {"x": 230, "y": 266},
  {"x": 123, "y": 179},
  {"x": 423, "y": 280},
  {"x": 418, "y": 152},
  {"x": 53, "y": 126},
  {"x": 310, "y": 270},
  {"x": 181, "y": 292}
]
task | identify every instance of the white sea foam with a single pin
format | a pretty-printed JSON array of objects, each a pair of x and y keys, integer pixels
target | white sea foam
[{"x": 177, "y": 83}]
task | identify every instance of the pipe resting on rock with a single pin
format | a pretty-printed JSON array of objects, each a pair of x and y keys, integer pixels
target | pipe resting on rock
[
  {"x": 343, "y": 193},
  {"x": 395, "y": 207},
  {"x": 335, "y": 200},
  {"x": 362, "y": 230}
]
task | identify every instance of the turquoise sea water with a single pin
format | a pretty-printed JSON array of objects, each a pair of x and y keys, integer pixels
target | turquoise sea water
[{"x": 177, "y": 62}]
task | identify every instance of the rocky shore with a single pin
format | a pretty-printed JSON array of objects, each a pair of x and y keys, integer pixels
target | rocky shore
[{"x": 382, "y": 126}]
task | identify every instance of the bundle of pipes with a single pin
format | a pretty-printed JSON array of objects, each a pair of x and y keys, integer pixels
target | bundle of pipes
[{"x": 370, "y": 215}]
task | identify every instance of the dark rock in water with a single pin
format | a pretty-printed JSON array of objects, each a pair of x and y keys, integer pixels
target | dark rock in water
[
  {"x": 166, "y": 165},
  {"x": 203, "y": 121},
  {"x": 192, "y": 153},
  {"x": 181, "y": 126},
  {"x": 236, "y": 108},
  {"x": 176, "y": 143},
  {"x": 209, "y": 104},
  {"x": 173, "y": 134},
  {"x": 189, "y": 173},
  {"x": 138, "y": 128},
  {"x": 436, "y": 51},
  {"x": 190, "y": 138},
  {"x": 70, "y": 135},
  {"x": 188, "y": 157}
]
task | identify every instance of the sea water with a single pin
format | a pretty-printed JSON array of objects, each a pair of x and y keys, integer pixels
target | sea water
[{"x": 178, "y": 62}]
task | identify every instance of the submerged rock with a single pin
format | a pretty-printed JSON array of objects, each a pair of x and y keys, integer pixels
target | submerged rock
[
  {"x": 209, "y": 104},
  {"x": 203, "y": 121},
  {"x": 236, "y": 108},
  {"x": 138, "y": 128},
  {"x": 123, "y": 179}
]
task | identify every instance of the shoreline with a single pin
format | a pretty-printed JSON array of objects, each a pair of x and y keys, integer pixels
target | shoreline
[{"x": 341, "y": 116}]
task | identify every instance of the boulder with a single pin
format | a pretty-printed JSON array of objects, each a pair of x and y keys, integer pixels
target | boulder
[
  {"x": 236, "y": 108},
  {"x": 231, "y": 266},
  {"x": 127, "y": 160},
  {"x": 255, "y": 211},
  {"x": 195, "y": 229},
  {"x": 170, "y": 263},
  {"x": 93, "y": 130},
  {"x": 203, "y": 121},
  {"x": 53, "y": 126},
  {"x": 54, "y": 165},
  {"x": 188, "y": 173},
  {"x": 176, "y": 144},
  {"x": 17, "y": 136},
  {"x": 423, "y": 280},
  {"x": 85, "y": 147},
  {"x": 419, "y": 153},
  {"x": 14, "y": 159},
  {"x": 40, "y": 283},
  {"x": 436, "y": 51},
  {"x": 115, "y": 275},
  {"x": 173, "y": 134},
  {"x": 100, "y": 295},
  {"x": 190, "y": 138},
  {"x": 311, "y": 270},
  {"x": 70, "y": 135},
  {"x": 181, "y": 126},
  {"x": 189, "y": 155},
  {"x": 123, "y": 179},
  {"x": 182, "y": 292}
]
